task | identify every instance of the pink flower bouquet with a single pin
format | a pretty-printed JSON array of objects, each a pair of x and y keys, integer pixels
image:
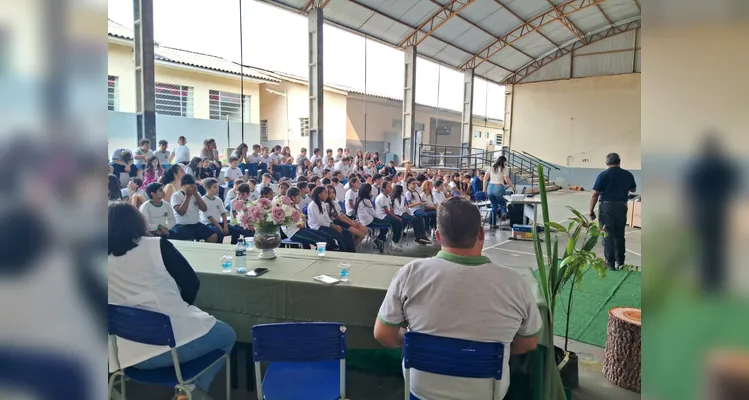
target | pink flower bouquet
[{"x": 264, "y": 213}]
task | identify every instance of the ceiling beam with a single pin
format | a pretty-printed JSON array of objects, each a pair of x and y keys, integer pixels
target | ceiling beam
[
  {"x": 567, "y": 23},
  {"x": 514, "y": 14},
  {"x": 427, "y": 28},
  {"x": 539, "y": 63},
  {"x": 310, "y": 4},
  {"x": 637, "y": 3},
  {"x": 532, "y": 25},
  {"x": 604, "y": 15}
]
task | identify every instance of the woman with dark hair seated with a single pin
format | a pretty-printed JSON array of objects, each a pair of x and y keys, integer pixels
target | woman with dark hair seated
[{"x": 150, "y": 273}]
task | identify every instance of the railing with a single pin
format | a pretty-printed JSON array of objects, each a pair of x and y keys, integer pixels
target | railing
[
  {"x": 449, "y": 157},
  {"x": 540, "y": 161}
]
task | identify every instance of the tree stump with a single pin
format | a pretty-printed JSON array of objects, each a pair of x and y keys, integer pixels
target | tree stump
[{"x": 621, "y": 359}]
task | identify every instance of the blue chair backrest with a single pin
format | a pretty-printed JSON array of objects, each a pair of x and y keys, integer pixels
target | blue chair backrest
[
  {"x": 453, "y": 357},
  {"x": 301, "y": 342},
  {"x": 342, "y": 205},
  {"x": 480, "y": 196},
  {"x": 142, "y": 326},
  {"x": 304, "y": 211},
  {"x": 44, "y": 374}
]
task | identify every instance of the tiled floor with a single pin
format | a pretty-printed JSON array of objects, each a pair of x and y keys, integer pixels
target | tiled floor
[{"x": 502, "y": 251}]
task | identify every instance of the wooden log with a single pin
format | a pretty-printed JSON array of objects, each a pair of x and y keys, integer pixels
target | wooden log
[{"x": 621, "y": 359}]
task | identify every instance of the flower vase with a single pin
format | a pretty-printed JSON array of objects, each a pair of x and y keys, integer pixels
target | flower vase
[{"x": 267, "y": 239}]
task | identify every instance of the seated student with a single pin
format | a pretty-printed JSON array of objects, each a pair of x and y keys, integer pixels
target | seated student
[
  {"x": 187, "y": 205},
  {"x": 152, "y": 171},
  {"x": 398, "y": 179},
  {"x": 163, "y": 155},
  {"x": 172, "y": 180},
  {"x": 438, "y": 192},
  {"x": 231, "y": 194},
  {"x": 316, "y": 154},
  {"x": 299, "y": 232},
  {"x": 370, "y": 169},
  {"x": 376, "y": 184},
  {"x": 417, "y": 206},
  {"x": 122, "y": 162},
  {"x": 351, "y": 194},
  {"x": 400, "y": 208},
  {"x": 303, "y": 169},
  {"x": 142, "y": 153},
  {"x": 340, "y": 192},
  {"x": 265, "y": 159},
  {"x": 305, "y": 193},
  {"x": 254, "y": 192},
  {"x": 339, "y": 218},
  {"x": 133, "y": 193},
  {"x": 264, "y": 183},
  {"x": 254, "y": 158},
  {"x": 365, "y": 214},
  {"x": 384, "y": 211},
  {"x": 301, "y": 157},
  {"x": 158, "y": 213},
  {"x": 315, "y": 180},
  {"x": 214, "y": 217},
  {"x": 420, "y": 179},
  {"x": 391, "y": 168},
  {"x": 283, "y": 187},
  {"x": 244, "y": 194},
  {"x": 338, "y": 155},
  {"x": 477, "y": 184},
  {"x": 465, "y": 186},
  {"x": 430, "y": 207},
  {"x": 318, "y": 219},
  {"x": 318, "y": 169},
  {"x": 150, "y": 273},
  {"x": 267, "y": 193},
  {"x": 459, "y": 294},
  {"x": 233, "y": 172},
  {"x": 193, "y": 167}
]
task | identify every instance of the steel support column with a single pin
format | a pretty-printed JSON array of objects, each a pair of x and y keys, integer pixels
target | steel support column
[
  {"x": 316, "y": 94},
  {"x": 467, "y": 125},
  {"x": 409, "y": 104},
  {"x": 145, "y": 101}
]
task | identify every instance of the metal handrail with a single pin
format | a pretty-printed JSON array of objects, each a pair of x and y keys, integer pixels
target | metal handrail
[{"x": 540, "y": 161}]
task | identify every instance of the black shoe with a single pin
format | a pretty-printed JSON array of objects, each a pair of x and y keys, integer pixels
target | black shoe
[
  {"x": 610, "y": 266},
  {"x": 619, "y": 266},
  {"x": 380, "y": 245}
]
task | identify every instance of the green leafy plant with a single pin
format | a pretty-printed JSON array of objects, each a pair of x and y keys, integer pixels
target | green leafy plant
[{"x": 556, "y": 269}]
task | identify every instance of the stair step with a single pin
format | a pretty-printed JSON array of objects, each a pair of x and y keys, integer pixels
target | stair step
[{"x": 549, "y": 188}]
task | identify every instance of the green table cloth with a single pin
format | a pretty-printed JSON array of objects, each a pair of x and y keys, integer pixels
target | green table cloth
[{"x": 288, "y": 293}]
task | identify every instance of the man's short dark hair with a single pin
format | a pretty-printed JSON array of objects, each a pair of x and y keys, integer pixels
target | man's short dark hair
[
  {"x": 232, "y": 159},
  {"x": 243, "y": 188},
  {"x": 209, "y": 182},
  {"x": 267, "y": 175},
  {"x": 144, "y": 141},
  {"x": 188, "y": 179},
  {"x": 162, "y": 142},
  {"x": 325, "y": 181},
  {"x": 421, "y": 178},
  {"x": 376, "y": 177},
  {"x": 302, "y": 179},
  {"x": 458, "y": 223},
  {"x": 315, "y": 151},
  {"x": 613, "y": 159},
  {"x": 152, "y": 188},
  {"x": 301, "y": 185},
  {"x": 329, "y": 150}
]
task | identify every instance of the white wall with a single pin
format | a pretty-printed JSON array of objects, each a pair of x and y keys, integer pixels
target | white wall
[{"x": 576, "y": 122}]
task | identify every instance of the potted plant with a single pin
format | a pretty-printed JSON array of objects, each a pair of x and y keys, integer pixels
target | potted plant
[
  {"x": 556, "y": 269},
  {"x": 266, "y": 217}
]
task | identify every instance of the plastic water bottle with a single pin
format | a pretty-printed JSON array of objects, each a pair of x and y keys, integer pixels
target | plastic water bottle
[
  {"x": 345, "y": 269},
  {"x": 240, "y": 257}
]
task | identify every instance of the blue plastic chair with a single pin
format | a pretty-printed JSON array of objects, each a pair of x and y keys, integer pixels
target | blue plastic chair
[
  {"x": 43, "y": 373},
  {"x": 150, "y": 327},
  {"x": 452, "y": 357},
  {"x": 307, "y": 360},
  {"x": 288, "y": 243}
]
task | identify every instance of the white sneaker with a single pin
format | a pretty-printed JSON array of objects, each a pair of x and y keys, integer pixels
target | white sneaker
[{"x": 397, "y": 247}]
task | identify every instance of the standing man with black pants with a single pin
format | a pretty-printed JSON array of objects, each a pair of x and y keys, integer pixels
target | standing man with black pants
[{"x": 612, "y": 188}]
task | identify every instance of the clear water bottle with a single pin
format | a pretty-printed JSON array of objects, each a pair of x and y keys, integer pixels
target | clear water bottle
[{"x": 240, "y": 257}]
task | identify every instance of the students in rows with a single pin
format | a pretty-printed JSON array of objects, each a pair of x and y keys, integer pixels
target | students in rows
[
  {"x": 264, "y": 183},
  {"x": 172, "y": 180},
  {"x": 365, "y": 214},
  {"x": 339, "y": 218},
  {"x": 233, "y": 172},
  {"x": 299, "y": 232},
  {"x": 315, "y": 156},
  {"x": 187, "y": 205},
  {"x": 318, "y": 218},
  {"x": 400, "y": 208},
  {"x": 351, "y": 194},
  {"x": 384, "y": 211},
  {"x": 158, "y": 213},
  {"x": 416, "y": 205},
  {"x": 328, "y": 156},
  {"x": 152, "y": 172},
  {"x": 214, "y": 216}
]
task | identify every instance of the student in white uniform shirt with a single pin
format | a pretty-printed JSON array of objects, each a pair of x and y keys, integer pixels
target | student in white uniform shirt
[
  {"x": 181, "y": 151},
  {"x": 233, "y": 172},
  {"x": 400, "y": 207},
  {"x": 305, "y": 193},
  {"x": 370, "y": 169},
  {"x": 328, "y": 156},
  {"x": 460, "y": 294},
  {"x": 438, "y": 193},
  {"x": 158, "y": 213},
  {"x": 150, "y": 273},
  {"x": 214, "y": 217},
  {"x": 340, "y": 191},
  {"x": 366, "y": 215},
  {"x": 265, "y": 183},
  {"x": 315, "y": 156},
  {"x": 318, "y": 168},
  {"x": 351, "y": 194},
  {"x": 318, "y": 219},
  {"x": 384, "y": 211},
  {"x": 417, "y": 204},
  {"x": 338, "y": 155},
  {"x": 187, "y": 205},
  {"x": 376, "y": 184}
]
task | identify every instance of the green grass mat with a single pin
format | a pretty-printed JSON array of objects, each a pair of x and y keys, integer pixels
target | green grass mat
[{"x": 592, "y": 301}]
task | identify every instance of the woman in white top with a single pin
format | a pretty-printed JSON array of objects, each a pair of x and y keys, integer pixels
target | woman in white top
[
  {"x": 150, "y": 273},
  {"x": 299, "y": 232},
  {"x": 172, "y": 180},
  {"x": 417, "y": 205},
  {"x": 341, "y": 219},
  {"x": 400, "y": 208},
  {"x": 494, "y": 186},
  {"x": 318, "y": 218},
  {"x": 367, "y": 215},
  {"x": 430, "y": 208}
]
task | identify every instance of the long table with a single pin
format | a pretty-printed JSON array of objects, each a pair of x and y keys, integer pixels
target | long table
[{"x": 288, "y": 293}]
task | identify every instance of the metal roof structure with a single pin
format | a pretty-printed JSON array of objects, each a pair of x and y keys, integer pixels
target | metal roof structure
[{"x": 505, "y": 41}]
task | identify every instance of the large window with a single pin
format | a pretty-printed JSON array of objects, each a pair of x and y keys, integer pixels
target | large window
[
  {"x": 113, "y": 93},
  {"x": 227, "y": 106},
  {"x": 173, "y": 100}
]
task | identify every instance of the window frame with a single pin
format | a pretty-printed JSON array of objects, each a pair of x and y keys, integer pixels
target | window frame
[
  {"x": 184, "y": 99},
  {"x": 221, "y": 108}
]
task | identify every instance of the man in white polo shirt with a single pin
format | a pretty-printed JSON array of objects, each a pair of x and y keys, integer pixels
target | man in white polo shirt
[
  {"x": 459, "y": 294},
  {"x": 187, "y": 205}
]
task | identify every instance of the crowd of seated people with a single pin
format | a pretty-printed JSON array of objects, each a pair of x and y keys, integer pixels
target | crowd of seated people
[{"x": 342, "y": 196}]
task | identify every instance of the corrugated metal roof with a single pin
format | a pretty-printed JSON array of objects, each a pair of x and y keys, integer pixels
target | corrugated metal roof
[
  {"x": 479, "y": 24},
  {"x": 190, "y": 58}
]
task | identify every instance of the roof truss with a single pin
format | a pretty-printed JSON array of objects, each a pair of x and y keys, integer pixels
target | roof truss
[
  {"x": 532, "y": 25},
  {"x": 449, "y": 10},
  {"x": 536, "y": 65}
]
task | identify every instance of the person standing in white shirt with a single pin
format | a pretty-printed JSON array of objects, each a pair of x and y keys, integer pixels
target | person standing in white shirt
[
  {"x": 214, "y": 216},
  {"x": 158, "y": 213},
  {"x": 181, "y": 153},
  {"x": 150, "y": 273},
  {"x": 384, "y": 211},
  {"x": 351, "y": 194}
]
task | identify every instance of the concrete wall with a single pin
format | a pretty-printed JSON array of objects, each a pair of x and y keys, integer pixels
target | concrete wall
[
  {"x": 575, "y": 123},
  {"x": 121, "y": 64}
]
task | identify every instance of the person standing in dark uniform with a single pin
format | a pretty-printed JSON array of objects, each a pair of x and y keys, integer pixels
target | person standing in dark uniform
[{"x": 612, "y": 189}]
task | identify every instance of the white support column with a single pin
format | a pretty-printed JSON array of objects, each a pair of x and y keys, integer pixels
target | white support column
[
  {"x": 316, "y": 94},
  {"x": 409, "y": 104},
  {"x": 467, "y": 125},
  {"x": 507, "y": 125}
]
